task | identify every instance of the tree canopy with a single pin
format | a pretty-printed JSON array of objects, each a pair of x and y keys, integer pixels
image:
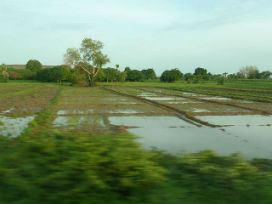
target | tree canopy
[
  {"x": 200, "y": 71},
  {"x": 149, "y": 74},
  {"x": 33, "y": 65},
  {"x": 171, "y": 75},
  {"x": 135, "y": 75}
]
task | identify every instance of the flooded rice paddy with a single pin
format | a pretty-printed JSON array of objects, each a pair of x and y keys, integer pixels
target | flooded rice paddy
[
  {"x": 157, "y": 116},
  {"x": 20, "y": 104},
  {"x": 13, "y": 127},
  {"x": 174, "y": 135},
  {"x": 164, "y": 98}
]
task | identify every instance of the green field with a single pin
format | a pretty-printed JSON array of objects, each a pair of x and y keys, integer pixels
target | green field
[{"x": 143, "y": 142}]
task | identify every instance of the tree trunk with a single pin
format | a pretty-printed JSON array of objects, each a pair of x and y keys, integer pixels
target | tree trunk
[{"x": 91, "y": 81}]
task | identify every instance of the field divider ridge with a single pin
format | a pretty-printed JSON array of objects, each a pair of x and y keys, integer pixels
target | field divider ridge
[
  {"x": 44, "y": 118},
  {"x": 180, "y": 114}
]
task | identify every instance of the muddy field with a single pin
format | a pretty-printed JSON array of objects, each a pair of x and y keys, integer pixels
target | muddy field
[{"x": 171, "y": 120}]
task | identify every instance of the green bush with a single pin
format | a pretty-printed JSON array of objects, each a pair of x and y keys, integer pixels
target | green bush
[
  {"x": 135, "y": 75},
  {"x": 196, "y": 79},
  {"x": 219, "y": 179},
  {"x": 202, "y": 74},
  {"x": 55, "y": 74},
  {"x": 78, "y": 78},
  {"x": 149, "y": 74},
  {"x": 220, "y": 80},
  {"x": 22, "y": 74},
  {"x": 111, "y": 75},
  {"x": 78, "y": 168},
  {"x": 74, "y": 169},
  {"x": 171, "y": 75},
  {"x": 188, "y": 77},
  {"x": 15, "y": 76}
]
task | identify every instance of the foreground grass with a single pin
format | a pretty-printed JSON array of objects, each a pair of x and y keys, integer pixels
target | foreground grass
[{"x": 112, "y": 168}]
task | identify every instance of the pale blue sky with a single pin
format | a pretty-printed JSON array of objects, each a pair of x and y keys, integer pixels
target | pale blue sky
[{"x": 218, "y": 35}]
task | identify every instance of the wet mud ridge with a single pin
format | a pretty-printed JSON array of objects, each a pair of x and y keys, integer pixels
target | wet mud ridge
[{"x": 180, "y": 114}]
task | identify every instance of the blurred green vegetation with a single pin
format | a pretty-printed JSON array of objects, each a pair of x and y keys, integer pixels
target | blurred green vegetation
[
  {"x": 59, "y": 167},
  {"x": 67, "y": 168}
]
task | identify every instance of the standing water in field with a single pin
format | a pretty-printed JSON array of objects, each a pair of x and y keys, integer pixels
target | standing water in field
[
  {"x": 163, "y": 98},
  {"x": 13, "y": 127},
  {"x": 174, "y": 135},
  {"x": 238, "y": 120}
]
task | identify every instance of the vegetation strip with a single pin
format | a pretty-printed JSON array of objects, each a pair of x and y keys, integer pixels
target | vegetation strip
[
  {"x": 209, "y": 101},
  {"x": 181, "y": 114},
  {"x": 44, "y": 118}
]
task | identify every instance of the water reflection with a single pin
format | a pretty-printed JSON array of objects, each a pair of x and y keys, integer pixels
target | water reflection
[{"x": 174, "y": 135}]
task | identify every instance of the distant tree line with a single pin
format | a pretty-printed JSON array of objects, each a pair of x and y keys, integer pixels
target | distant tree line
[
  {"x": 76, "y": 75},
  {"x": 65, "y": 73},
  {"x": 84, "y": 66},
  {"x": 202, "y": 74}
]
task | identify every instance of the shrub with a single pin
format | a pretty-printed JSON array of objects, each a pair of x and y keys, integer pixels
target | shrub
[
  {"x": 15, "y": 76},
  {"x": 61, "y": 73},
  {"x": 202, "y": 73},
  {"x": 111, "y": 75},
  {"x": 135, "y": 75},
  {"x": 77, "y": 78},
  {"x": 44, "y": 75},
  {"x": 24, "y": 74},
  {"x": 149, "y": 74},
  {"x": 55, "y": 74},
  {"x": 196, "y": 79},
  {"x": 188, "y": 77},
  {"x": 220, "y": 80}
]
